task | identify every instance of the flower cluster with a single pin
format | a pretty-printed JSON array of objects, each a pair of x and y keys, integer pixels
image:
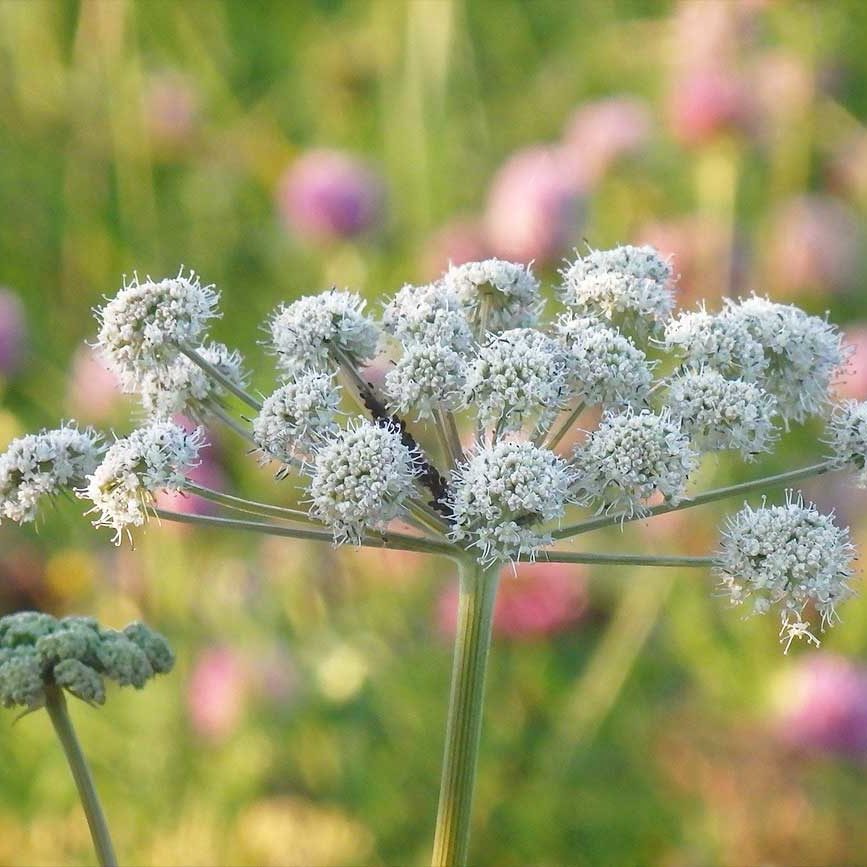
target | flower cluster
[
  {"x": 719, "y": 413},
  {"x": 628, "y": 287},
  {"x": 847, "y": 436},
  {"x": 309, "y": 331},
  {"x": 76, "y": 654},
  {"x": 360, "y": 479},
  {"x": 790, "y": 557},
  {"x": 606, "y": 367},
  {"x": 631, "y": 456},
  {"x": 150, "y": 459},
  {"x": 501, "y": 491},
  {"x": 465, "y": 394},
  {"x": 42, "y": 465},
  {"x": 495, "y": 295},
  {"x": 142, "y": 326},
  {"x": 296, "y": 414},
  {"x": 517, "y": 373},
  {"x": 185, "y": 388}
]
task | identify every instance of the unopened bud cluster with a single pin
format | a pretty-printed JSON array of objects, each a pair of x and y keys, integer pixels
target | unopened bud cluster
[{"x": 76, "y": 654}]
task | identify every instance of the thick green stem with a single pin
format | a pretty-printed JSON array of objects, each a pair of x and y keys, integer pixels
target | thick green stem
[
  {"x": 55, "y": 704},
  {"x": 478, "y": 590}
]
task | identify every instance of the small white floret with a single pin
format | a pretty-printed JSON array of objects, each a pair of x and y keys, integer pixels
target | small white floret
[
  {"x": 627, "y": 286},
  {"x": 631, "y": 456},
  {"x": 297, "y": 414},
  {"x": 495, "y": 294},
  {"x": 309, "y": 331},
  {"x": 788, "y": 557},
  {"x": 500, "y": 491},
  {"x": 153, "y": 458},
  {"x": 720, "y": 413},
  {"x": 141, "y": 326},
  {"x": 360, "y": 480}
]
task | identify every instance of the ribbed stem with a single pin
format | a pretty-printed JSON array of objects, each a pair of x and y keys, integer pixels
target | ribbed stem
[
  {"x": 55, "y": 704},
  {"x": 478, "y": 590}
]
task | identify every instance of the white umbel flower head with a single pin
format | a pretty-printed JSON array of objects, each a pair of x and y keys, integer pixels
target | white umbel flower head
[
  {"x": 304, "y": 332},
  {"x": 518, "y": 374},
  {"x": 847, "y": 436},
  {"x": 495, "y": 491},
  {"x": 426, "y": 378},
  {"x": 627, "y": 286},
  {"x": 631, "y": 456},
  {"x": 720, "y": 413},
  {"x": 607, "y": 368},
  {"x": 184, "y": 388},
  {"x": 141, "y": 326},
  {"x": 503, "y": 294},
  {"x": 803, "y": 353},
  {"x": 150, "y": 459},
  {"x": 790, "y": 557},
  {"x": 360, "y": 480},
  {"x": 42, "y": 465},
  {"x": 716, "y": 341},
  {"x": 429, "y": 315},
  {"x": 296, "y": 415}
]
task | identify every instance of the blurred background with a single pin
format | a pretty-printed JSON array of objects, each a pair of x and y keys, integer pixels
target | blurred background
[{"x": 632, "y": 718}]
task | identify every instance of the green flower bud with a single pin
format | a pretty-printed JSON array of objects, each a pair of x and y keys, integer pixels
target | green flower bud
[
  {"x": 25, "y": 627},
  {"x": 21, "y": 681},
  {"x": 122, "y": 661},
  {"x": 81, "y": 680},
  {"x": 154, "y": 645},
  {"x": 66, "y": 643}
]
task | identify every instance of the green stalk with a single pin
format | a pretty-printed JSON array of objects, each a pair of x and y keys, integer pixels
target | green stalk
[
  {"x": 220, "y": 377},
  {"x": 478, "y": 590},
  {"x": 699, "y": 500},
  {"x": 55, "y": 704},
  {"x": 398, "y": 541}
]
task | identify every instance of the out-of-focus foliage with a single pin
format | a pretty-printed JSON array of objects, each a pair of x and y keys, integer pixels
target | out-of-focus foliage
[{"x": 284, "y": 147}]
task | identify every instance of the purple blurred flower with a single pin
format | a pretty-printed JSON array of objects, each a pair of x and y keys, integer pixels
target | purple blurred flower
[
  {"x": 13, "y": 332},
  {"x": 93, "y": 392},
  {"x": 601, "y": 132},
  {"x": 814, "y": 245},
  {"x": 542, "y": 599},
  {"x": 533, "y": 209},
  {"x": 822, "y": 705},
  {"x": 327, "y": 194},
  {"x": 457, "y": 242},
  {"x": 217, "y": 692}
]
